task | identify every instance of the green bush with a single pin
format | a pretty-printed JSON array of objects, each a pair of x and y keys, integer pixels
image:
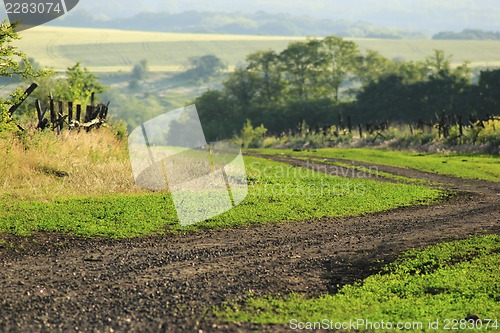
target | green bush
[{"x": 251, "y": 137}]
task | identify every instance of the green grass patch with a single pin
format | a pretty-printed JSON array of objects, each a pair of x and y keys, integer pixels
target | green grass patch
[
  {"x": 278, "y": 192},
  {"x": 442, "y": 282},
  {"x": 371, "y": 172},
  {"x": 109, "y": 216},
  {"x": 484, "y": 167}
]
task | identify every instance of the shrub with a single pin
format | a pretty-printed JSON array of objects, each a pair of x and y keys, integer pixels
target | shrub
[{"x": 251, "y": 137}]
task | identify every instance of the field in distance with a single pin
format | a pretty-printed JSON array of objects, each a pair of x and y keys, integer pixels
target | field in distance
[{"x": 105, "y": 50}]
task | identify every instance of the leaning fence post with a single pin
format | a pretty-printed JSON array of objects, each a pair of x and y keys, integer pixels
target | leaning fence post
[
  {"x": 38, "y": 111},
  {"x": 28, "y": 92}
]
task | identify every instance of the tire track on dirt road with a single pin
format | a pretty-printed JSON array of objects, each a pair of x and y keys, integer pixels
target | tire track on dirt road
[{"x": 60, "y": 283}]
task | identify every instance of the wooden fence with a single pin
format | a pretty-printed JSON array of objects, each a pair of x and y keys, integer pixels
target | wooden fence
[
  {"x": 442, "y": 124},
  {"x": 67, "y": 114},
  {"x": 70, "y": 115}
]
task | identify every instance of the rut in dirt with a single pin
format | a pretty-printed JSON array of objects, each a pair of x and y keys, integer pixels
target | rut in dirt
[{"x": 58, "y": 283}]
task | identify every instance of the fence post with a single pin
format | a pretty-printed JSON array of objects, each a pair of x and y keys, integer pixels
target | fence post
[
  {"x": 78, "y": 112},
  {"x": 88, "y": 113},
  {"x": 70, "y": 112},
  {"x": 61, "y": 114},
  {"x": 52, "y": 110}
]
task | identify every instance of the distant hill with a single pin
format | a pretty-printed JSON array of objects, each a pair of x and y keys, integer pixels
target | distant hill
[
  {"x": 259, "y": 23},
  {"x": 428, "y": 16},
  {"x": 468, "y": 34}
]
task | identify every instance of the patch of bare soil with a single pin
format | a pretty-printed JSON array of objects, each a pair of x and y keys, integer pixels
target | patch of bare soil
[{"x": 59, "y": 283}]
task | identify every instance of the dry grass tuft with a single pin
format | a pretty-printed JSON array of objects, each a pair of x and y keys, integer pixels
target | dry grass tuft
[{"x": 45, "y": 166}]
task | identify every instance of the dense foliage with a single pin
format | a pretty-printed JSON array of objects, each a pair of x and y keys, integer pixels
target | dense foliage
[
  {"x": 324, "y": 82},
  {"x": 14, "y": 64}
]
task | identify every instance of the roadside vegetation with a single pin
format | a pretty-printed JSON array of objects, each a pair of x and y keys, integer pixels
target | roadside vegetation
[
  {"x": 482, "y": 137},
  {"x": 445, "y": 282},
  {"x": 89, "y": 197},
  {"x": 484, "y": 167}
]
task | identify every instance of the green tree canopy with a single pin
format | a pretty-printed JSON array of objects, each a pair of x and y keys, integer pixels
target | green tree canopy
[
  {"x": 78, "y": 85},
  {"x": 13, "y": 63}
]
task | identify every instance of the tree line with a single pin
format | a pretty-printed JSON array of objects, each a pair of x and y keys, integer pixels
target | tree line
[
  {"x": 468, "y": 34},
  {"x": 320, "y": 81}
]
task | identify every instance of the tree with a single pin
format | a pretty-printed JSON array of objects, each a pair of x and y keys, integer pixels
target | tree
[
  {"x": 374, "y": 66},
  {"x": 266, "y": 65},
  {"x": 139, "y": 72},
  {"x": 438, "y": 65},
  {"x": 412, "y": 72},
  {"x": 205, "y": 67},
  {"x": 342, "y": 59},
  {"x": 220, "y": 120},
  {"x": 78, "y": 85},
  {"x": 13, "y": 63},
  {"x": 489, "y": 90},
  {"x": 302, "y": 63},
  {"x": 241, "y": 88}
]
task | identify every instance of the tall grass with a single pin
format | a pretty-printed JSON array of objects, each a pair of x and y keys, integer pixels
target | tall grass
[{"x": 40, "y": 165}]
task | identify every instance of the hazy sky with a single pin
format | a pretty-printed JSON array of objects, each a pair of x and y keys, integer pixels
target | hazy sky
[
  {"x": 422, "y": 15},
  {"x": 408, "y": 14}
]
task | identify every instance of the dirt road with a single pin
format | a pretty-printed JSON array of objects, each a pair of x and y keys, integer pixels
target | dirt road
[{"x": 58, "y": 283}]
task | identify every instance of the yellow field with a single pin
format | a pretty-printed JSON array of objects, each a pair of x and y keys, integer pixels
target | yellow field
[{"x": 103, "y": 50}]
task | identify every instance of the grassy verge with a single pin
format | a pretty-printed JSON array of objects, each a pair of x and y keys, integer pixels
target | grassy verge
[
  {"x": 458, "y": 165},
  {"x": 443, "y": 282},
  {"x": 277, "y": 193},
  {"x": 43, "y": 166}
]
